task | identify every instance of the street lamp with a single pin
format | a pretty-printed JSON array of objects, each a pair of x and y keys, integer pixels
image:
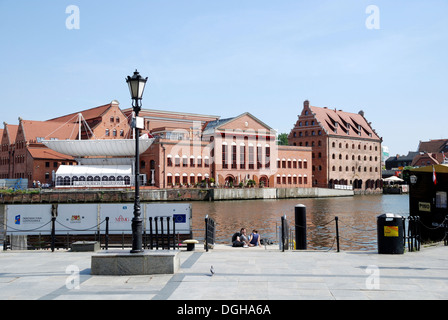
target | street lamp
[{"x": 136, "y": 85}]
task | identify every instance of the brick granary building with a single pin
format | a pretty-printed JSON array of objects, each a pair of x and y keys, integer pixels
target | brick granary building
[
  {"x": 346, "y": 150},
  {"x": 188, "y": 149}
]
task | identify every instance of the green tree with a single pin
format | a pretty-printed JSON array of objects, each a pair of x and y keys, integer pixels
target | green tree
[{"x": 282, "y": 139}]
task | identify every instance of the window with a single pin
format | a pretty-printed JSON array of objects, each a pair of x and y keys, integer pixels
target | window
[
  {"x": 251, "y": 157},
  {"x": 441, "y": 200},
  {"x": 242, "y": 156},
  {"x": 267, "y": 161},
  {"x": 224, "y": 156},
  {"x": 192, "y": 162},
  {"x": 259, "y": 155},
  {"x": 169, "y": 161},
  {"x": 234, "y": 156}
]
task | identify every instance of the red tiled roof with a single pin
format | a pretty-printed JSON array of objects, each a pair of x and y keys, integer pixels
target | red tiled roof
[
  {"x": 45, "y": 153},
  {"x": 87, "y": 114},
  {"x": 432, "y": 146},
  {"x": 49, "y": 130},
  {"x": 345, "y": 124},
  {"x": 12, "y": 132}
]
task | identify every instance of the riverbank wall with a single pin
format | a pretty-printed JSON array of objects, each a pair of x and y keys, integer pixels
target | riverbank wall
[{"x": 118, "y": 196}]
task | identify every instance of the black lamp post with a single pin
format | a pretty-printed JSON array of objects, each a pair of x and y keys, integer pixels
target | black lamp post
[{"x": 136, "y": 85}]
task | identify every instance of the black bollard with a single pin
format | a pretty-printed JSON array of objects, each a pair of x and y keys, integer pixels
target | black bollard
[
  {"x": 300, "y": 216},
  {"x": 107, "y": 233},
  {"x": 53, "y": 219}
]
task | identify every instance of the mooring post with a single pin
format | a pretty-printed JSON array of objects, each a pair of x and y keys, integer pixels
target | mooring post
[
  {"x": 337, "y": 232},
  {"x": 300, "y": 217},
  {"x": 53, "y": 219},
  {"x": 107, "y": 234}
]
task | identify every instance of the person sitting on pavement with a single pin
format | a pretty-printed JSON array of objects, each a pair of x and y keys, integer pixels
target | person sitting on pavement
[
  {"x": 244, "y": 238},
  {"x": 255, "y": 239},
  {"x": 240, "y": 239},
  {"x": 236, "y": 241}
]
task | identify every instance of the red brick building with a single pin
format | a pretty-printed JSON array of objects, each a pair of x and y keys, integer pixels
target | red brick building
[
  {"x": 346, "y": 150},
  {"x": 431, "y": 152},
  {"x": 8, "y": 139},
  {"x": 191, "y": 148},
  {"x": 24, "y": 156},
  {"x": 188, "y": 148}
]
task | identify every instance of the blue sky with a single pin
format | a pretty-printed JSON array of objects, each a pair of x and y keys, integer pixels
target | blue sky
[{"x": 227, "y": 57}]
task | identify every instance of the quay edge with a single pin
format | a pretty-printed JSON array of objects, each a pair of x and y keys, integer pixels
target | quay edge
[{"x": 214, "y": 194}]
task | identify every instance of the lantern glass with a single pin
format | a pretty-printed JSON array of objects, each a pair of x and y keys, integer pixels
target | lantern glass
[{"x": 136, "y": 85}]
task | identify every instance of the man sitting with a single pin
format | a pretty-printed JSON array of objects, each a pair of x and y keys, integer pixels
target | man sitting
[{"x": 239, "y": 239}]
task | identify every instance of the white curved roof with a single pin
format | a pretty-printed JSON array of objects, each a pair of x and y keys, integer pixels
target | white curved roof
[
  {"x": 84, "y": 148},
  {"x": 94, "y": 170}
]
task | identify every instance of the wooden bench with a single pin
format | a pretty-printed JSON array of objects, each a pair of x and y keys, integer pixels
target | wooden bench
[{"x": 190, "y": 244}]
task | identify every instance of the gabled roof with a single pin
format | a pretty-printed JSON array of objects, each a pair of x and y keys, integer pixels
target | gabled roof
[
  {"x": 88, "y": 114},
  {"x": 212, "y": 126},
  {"x": 409, "y": 157},
  {"x": 433, "y": 146},
  {"x": 45, "y": 153},
  {"x": 11, "y": 130},
  {"x": 32, "y": 130},
  {"x": 345, "y": 124}
]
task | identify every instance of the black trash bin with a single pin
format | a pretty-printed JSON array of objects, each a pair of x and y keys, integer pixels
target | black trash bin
[{"x": 390, "y": 234}]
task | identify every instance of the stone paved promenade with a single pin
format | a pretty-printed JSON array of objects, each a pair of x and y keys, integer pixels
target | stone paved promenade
[{"x": 263, "y": 274}]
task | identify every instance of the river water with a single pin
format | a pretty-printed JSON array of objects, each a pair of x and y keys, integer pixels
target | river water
[{"x": 357, "y": 218}]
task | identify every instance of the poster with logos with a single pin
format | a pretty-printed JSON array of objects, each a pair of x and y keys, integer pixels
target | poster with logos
[
  {"x": 28, "y": 219},
  {"x": 77, "y": 218},
  {"x": 179, "y": 212},
  {"x": 120, "y": 217}
]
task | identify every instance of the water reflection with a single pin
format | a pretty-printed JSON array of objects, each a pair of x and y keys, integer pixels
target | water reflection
[{"x": 357, "y": 218}]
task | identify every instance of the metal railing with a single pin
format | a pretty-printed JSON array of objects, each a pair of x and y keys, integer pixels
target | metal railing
[{"x": 161, "y": 235}]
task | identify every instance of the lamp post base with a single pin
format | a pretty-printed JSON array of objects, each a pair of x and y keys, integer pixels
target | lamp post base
[{"x": 137, "y": 224}]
